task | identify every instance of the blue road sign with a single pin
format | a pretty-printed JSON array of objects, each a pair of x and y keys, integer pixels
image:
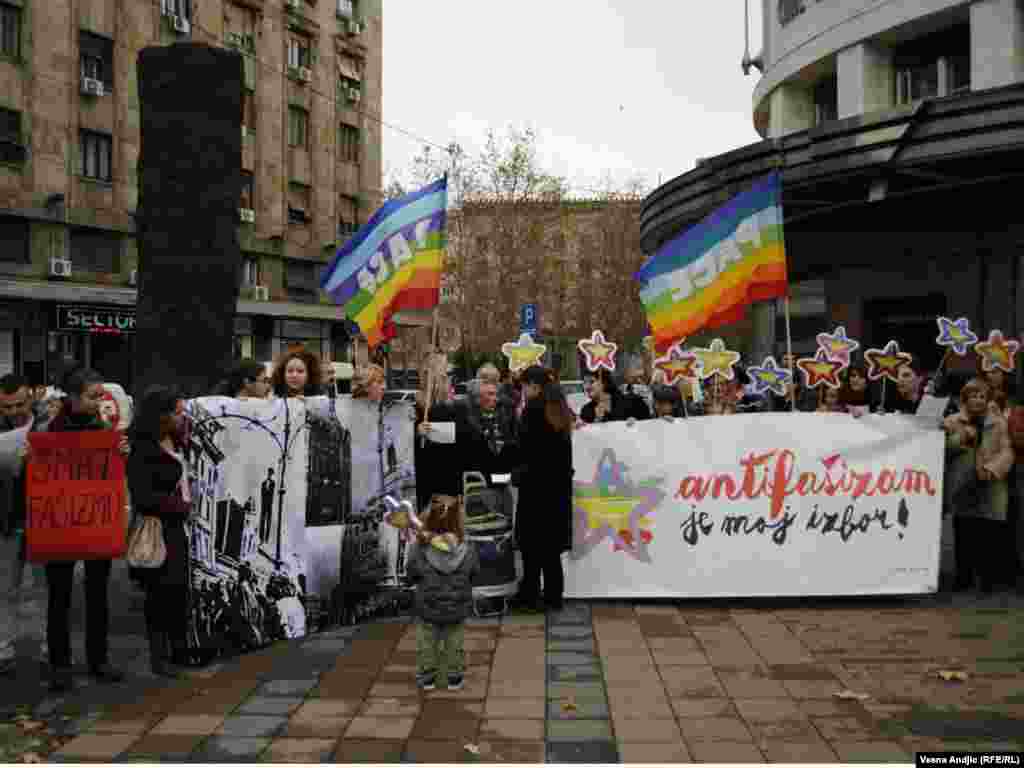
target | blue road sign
[{"x": 528, "y": 319}]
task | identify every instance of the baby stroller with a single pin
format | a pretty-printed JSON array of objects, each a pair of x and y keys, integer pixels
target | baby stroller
[{"x": 491, "y": 525}]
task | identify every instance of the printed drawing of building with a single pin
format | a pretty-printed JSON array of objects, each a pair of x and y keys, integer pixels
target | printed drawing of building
[{"x": 329, "y": 478}]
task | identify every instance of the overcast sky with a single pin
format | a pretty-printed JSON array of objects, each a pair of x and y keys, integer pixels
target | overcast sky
[{"x": 621, "y": 87}]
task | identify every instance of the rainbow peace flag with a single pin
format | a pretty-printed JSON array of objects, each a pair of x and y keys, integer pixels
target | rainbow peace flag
[
  {"x": 393, "y": 263},
  {"x": 706, "y": 277}
]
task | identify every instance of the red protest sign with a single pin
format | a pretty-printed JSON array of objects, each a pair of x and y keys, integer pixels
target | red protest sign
[{"x": 75, "y": 496}]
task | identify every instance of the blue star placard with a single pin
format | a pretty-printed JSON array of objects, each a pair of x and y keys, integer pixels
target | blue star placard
[
  {"x": 769, "y": 377},
  {"x": 956, "y": 335}
]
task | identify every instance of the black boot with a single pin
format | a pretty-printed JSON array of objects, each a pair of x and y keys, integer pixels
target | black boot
[{"x": 158, "y": 656}]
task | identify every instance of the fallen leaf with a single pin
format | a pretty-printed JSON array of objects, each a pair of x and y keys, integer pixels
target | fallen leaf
[
  {"x": 31, "y": 757},
  {"x": 953, "y": 675},
  {"x": 568, "y": 706},
  {"x": 473, "y": 749},
  {"x": 852, "y": 695}
]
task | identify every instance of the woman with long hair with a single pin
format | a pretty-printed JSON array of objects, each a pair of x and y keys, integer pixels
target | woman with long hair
[
  {"x": 606, "y": 401},
  {"x": 158, "y": 482},
  {"x": 247, "y": 379},
  {"x": 855, "y": 394},
  {"x": 369, "y": 383},
  {"x": 544, "y": 517},
  {"x": 906, "y": 395},
  {"x": 297, "y": 373},
  {"x": 436, "y": 463}
]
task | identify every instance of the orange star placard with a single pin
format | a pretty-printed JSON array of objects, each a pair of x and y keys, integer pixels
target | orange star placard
[
  {"x": 886, "y": 362},
  {"x": 998, "y": 352},
  {"x": 820, "y": 369},
  {"x": 599, "y": 352},
  {"x": 677, "y": 364},
  {"x": 716, "y": 360}
]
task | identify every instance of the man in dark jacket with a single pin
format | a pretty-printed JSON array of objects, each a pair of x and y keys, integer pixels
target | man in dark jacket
[{"x": 17, "y": 411}]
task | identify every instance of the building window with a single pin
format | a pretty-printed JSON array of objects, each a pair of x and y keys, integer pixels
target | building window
[
  {"x": 346, "y": 228},
  {"x": 299, "y": 52},
  {"x": 250, "y": 271},
  {"x": 934, "y": 66},
  {"x": 298, "y": 128},
  {"x": 789, "y": 10},
  {"x": 10, "y": 31},
  {"x": 240, "y": 27},
  {"x": 298, "y": 204},
  {"x": 97, "y": 58},
  {"x": 12, "y": 150},
  {"x": 348, "y": 216},
  {"x": 347, "y": 8},
  {"x": 958, "y": 73},
  {"x": 95, "y": 251},
  {"x": 348, "y": 143},
  {"x": 302, "y": 277},
  {"x": 95, "y": 151},
  {"x": 14, "y": 240},
  {"x": 249, "y": 110},
  {"x": 248, "y": 196},
  {"x": 180, "y": 8},
  {"x": 826, "y": 99}
]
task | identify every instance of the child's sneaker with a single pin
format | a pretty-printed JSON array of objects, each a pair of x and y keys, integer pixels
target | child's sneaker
[
  {"x": 425, "y": 681},
  {"x": 454, "y": 682}
]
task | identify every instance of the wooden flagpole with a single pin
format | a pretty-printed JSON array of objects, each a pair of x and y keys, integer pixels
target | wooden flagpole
[{"x": 789, "y": 352}]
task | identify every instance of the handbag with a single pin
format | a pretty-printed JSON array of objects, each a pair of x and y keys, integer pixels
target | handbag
[{"x": 146, "y": 547}]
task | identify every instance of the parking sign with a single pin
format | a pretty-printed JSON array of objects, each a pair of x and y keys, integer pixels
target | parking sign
[{"x": 528, "y": 319}]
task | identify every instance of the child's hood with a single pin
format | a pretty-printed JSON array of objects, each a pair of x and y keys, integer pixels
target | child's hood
[{"x": 447, "y": 562}]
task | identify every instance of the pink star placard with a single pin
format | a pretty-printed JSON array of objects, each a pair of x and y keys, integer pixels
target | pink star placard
[{"x": 599, "y": 352}]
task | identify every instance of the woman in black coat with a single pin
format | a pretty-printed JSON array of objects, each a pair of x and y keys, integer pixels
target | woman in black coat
[
  {"x": 607, "y": 403},
  {"x": 544, "y": 518},
  {"x": 158, "y": 484}
]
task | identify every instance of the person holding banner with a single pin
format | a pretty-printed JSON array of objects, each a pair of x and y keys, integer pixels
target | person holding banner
[
  {"x": 158, "y": 482},
  {"x": 855, "y": 394},
  {"x": 668, "y": 403},
  {"x": 544, "y": 522},
  {"x": 980, "y": 456},
  {"x": 297, "y": 373},
  {"x": 80, "y": 412},
  {"x": 606, "y": 401},
  {"x": 906, "y": 395}
]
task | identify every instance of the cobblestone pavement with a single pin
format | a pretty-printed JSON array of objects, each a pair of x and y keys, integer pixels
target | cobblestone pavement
[{"x": 597, "y": 682}]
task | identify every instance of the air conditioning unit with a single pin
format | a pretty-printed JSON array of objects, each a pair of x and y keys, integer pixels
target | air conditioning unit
[
  {"x": 181, "y": 26},
  {"x": 248, "y": 215},
  {"x": 354, "y": 95},
  {"x": 305, "y": 74},
  {"x": 234, "y": 39},
  {"x": 293, "y": 5},
  {"x": 92, "y": 87},
  {"x": 133, "y": 278},
  {"x": 60, "y": 267},
  {"x": 262, "y": 293}
]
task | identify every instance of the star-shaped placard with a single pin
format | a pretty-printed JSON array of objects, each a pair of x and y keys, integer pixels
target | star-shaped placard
[
  {"x": 998, "y": 352},
  {"x": 612, "y": 507},
  {"x": 769, "y": 377},
  {"x": 820, "y": 370},
  {"x": 523, "y": 353},
  {"x": 956, "y": 335},
  {"x": 838, "y": 345},
  {"x": 886, "y": 362},
  {"x": 599, "y": 352},
  {"x": 677, "y": 364},
  {"x": 716, "y": 360}
]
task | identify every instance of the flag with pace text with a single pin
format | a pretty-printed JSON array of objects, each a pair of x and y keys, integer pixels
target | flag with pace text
[
  {"x": 393, "y": 263},
  {"x": 708, "y": 275}
]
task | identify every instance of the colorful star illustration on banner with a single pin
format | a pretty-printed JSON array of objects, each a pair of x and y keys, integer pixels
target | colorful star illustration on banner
[
  {"x": 612, "y": 507},
  {"x": 956, "y": 335},
  {"x": 599, "y": 352},
  {"x": 819, "y": 370},
  {"x": 769, "y": 376},
  {"x": 677, "y": 364},
  {"x": 886, "y": 362},
  {"x": 716, "y": 360},
  {"x": 523, "y": 353},
  {"x": 838, "y": 345},
  {"x": 998, "y": 352}
]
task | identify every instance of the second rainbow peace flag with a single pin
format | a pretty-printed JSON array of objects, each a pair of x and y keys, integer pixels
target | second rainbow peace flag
[
  {"x": 708, "y": 275},
  {"x": 393, "y": 263}
]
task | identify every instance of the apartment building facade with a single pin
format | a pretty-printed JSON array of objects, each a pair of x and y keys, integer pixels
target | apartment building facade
[
  {"x": 894, "y": 127},
  {"x": 69, "y": 148}
]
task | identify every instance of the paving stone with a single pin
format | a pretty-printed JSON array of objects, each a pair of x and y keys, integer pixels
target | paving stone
[
  {"x": 231, "y": 749},
  {"x": 871, "y": 752},
  {"x": 593, "y": 752},
  {"x": 796, "y": 731},
  {"x": 584, "y": 673},
  {"x": 318, "y": 727},
  {"x": 646, "y": 730},
  {"x": 102, "y": 747},
  {"x": 269, "y": 705},
  {"x": 687, "y": 708},
  {"x": 570, "y": 659},
  {"x": 845, "y": 729},
  {"x": 695, "y": 682},
  {"x": 510, "y": 752},
  {"x": 288, "y": 750},
  {"x": 516, "y": 688},
  {"x": 575, "y": 689},
  {"x": 579, "y": 730},
  {"x": 408, "y": 707},
  {"x": 122, "y": 726},
  {"x": 668, "y": 752},
  {"x": 569, "y": 632},
  {"x": 387, "y": 728},
  {"x": 725, "y": 752},
  {"x": 287, "y": 687},
  {"x": 198, "y": 725},
  {"x": 495, "y": 707},
  {"x": 583, "y": 708},
  {"x": 714, "y": 729},
  {"x": 646, "y": 704},
  {"x": 445, "y": 752},
  {"x": 369, "y": 751},
  {"x": 252, "y": 725},
  {"x": 768, "y": 710},
  {"x": 328, "y": 708},
  {"x": 171, "y": 747},
  {"x": 786, "y": 752},
  {"x": 801, "y": 672},
  {"x": 585, "y": 645},
  {"x": 750, "y": 683},
  {"x": 512, "y": 730}
]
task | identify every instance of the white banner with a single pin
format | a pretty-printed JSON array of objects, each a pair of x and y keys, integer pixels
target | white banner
[{"x": 756, "y": 505}]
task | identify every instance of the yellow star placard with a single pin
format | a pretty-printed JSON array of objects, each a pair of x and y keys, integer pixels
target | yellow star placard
[
  {"x": 599, "y": 352},
  {"x": 998, "y": 352},
  {"x": 523, "y": 353},
  {"x": 716, "y": 360}
]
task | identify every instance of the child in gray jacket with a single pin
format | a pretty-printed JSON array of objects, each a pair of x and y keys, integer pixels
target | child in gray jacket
[{"x": 442, "y": 565}]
